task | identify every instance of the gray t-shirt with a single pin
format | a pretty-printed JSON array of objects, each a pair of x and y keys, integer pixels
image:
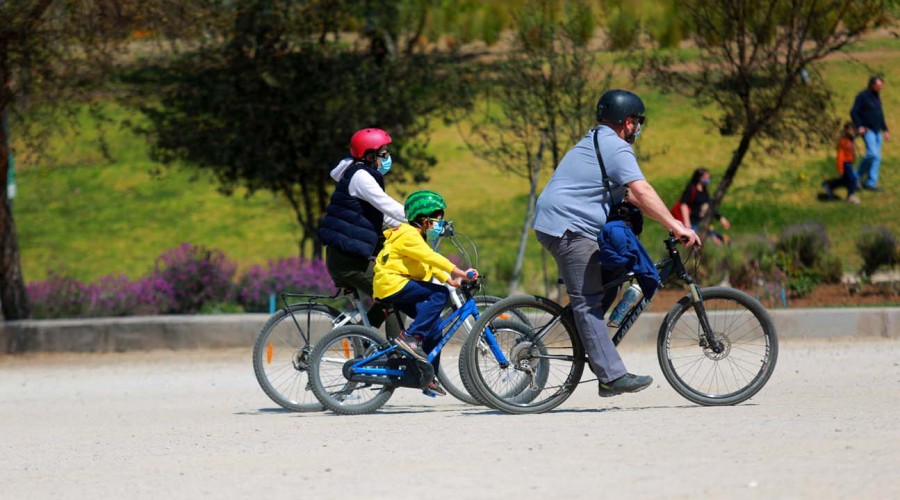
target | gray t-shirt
[{"x": 575, "y": 198}]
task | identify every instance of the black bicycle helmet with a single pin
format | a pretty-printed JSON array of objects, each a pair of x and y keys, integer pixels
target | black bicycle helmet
[{"x": 616, "y": 105}]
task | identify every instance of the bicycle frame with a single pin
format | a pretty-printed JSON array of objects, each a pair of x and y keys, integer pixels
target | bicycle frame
[
  {"x": 669, "y": 267},
  {"x": 455, "y": 320}
]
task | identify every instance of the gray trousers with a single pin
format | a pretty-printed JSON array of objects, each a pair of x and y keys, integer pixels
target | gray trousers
[{"x": 576, "y": 259}]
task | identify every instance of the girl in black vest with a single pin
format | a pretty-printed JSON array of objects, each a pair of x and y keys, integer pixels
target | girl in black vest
[{"x": 351, "y": 229}]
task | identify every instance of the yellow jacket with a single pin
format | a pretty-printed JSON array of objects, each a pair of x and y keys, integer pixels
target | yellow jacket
[{"x": 406, "y": 256}]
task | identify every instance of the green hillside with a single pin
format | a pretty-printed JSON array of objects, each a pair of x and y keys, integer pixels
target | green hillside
[{"x": 86, "y": 216}]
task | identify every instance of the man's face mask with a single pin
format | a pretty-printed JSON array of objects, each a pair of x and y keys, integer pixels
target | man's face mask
[
  {"x": 638, "y": 122},
  {"x": 386, "y": 162}
]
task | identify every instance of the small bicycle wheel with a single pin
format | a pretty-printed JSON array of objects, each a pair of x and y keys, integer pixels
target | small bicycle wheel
[
  {"x": 740, "y": 370},
  {"x": 281, "y": 354},
  {"x": 448, "y": 370},
  {"x": 327, "y": 371},
  {"x": 545, "y": 358}
]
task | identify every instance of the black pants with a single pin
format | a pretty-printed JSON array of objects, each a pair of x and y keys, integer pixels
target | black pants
[{"x": 352, "y": 271}]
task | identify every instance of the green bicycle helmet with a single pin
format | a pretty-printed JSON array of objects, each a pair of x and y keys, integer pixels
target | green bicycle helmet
[{"x": 423, "y": 203}]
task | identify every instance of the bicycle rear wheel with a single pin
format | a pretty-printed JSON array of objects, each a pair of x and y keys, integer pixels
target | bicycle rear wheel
[
  {"x": 545, "y": 356},
  {"x": 717, "y": 379},
  {"x": 329, "y": 381},
  {"x": 281, "y": 354}
]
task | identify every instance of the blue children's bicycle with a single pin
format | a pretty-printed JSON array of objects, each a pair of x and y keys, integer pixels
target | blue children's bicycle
[
  {"x": 281, "y": 352},
  {"x": 354, "y": 369}
]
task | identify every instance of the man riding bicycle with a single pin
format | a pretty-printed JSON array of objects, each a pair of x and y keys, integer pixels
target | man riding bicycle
[{"x": 572, "y": 210}]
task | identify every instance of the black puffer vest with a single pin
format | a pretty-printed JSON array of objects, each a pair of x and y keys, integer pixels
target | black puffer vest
[{"x": 350, "y": 224}]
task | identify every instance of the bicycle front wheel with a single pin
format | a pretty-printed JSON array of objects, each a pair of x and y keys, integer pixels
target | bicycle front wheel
[
  {"x": 281, "y": 354},
  {"x": 544, "y": 358},
  {"x": 329, "y": 380},
  {"x": 748, "y": 355},
  {"x": 448, "y": 370}
]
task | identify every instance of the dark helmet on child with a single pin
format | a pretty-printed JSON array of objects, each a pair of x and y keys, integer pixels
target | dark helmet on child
[{"x": 366, "y": 140}]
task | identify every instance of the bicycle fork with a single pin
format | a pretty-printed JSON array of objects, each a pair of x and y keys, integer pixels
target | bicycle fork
[{"x": 708, "y": 338}]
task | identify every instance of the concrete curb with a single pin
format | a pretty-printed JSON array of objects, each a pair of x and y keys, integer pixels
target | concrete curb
[
  {"x": 239, "y": 330},
  {"x": 132, "y": 333}
]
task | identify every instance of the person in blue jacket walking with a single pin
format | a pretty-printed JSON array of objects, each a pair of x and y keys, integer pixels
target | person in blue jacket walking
[{"x": 868, "y": 118}]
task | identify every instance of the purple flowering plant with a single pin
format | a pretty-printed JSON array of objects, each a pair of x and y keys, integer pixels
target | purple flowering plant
[
  {"x": 290, "y": 274},
  {"x": 184, "y": 279},
  {"x": 190, "y": 276}
]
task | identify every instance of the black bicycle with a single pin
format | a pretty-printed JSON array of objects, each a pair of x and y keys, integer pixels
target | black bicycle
[{"x": 716, "y": 346}]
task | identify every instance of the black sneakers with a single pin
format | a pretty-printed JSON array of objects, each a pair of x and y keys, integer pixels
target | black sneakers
[
  {"x": 626, "y": 383},
  {"x": 434, "y": 389},
  {"x": 411, "y": 344}
]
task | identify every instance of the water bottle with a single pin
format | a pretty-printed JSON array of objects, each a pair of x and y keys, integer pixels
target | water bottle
[{"x": 632, "y": 296}]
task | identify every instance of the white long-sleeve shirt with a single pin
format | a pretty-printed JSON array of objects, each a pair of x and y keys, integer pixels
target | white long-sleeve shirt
[{"x": 365, "y": 187}]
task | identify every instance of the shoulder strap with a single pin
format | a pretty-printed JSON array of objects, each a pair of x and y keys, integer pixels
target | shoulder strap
[{"x": 602, "y": 168}]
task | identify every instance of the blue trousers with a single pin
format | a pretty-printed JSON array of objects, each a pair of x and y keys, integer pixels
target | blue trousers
[
  {"x": 868, "y": 167},
  {"x": 423, "y": 301},
  {"x": 848, "y": 180}
]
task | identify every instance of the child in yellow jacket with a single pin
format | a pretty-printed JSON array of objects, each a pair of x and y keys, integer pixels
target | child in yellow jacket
[{"x": 404, "y": 270}]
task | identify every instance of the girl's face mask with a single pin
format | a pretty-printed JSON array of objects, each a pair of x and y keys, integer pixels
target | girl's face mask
[{"x": 386, "y": 162}]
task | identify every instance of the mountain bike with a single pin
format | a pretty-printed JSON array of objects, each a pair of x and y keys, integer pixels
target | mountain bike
[
  {"x": 282, "y": 347},
  {"x": 716, "y": 346},
  {"x": 355, "y": 370}
]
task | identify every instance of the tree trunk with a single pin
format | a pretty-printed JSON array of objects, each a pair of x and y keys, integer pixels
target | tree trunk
[
  {"x": 529, "y": 213},
  {"x": 736, "y": 159},
  {"x": 12, "y": 284}
]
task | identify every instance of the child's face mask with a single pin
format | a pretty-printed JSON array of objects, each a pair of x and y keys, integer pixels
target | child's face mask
[{"x": 437, "y": 227}]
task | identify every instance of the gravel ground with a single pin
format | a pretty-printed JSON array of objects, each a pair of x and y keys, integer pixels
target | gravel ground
[{"x": 194, "y": 424}]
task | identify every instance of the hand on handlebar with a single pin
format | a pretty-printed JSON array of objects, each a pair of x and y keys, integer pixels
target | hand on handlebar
[
  {"x": 458, "y": 276},
  {"x": 686, "y": 236}
]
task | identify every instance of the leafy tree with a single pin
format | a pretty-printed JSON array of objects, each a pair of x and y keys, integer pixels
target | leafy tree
[
  {"x": 627, "y": 23},
  {"x": 757, "y": 64},
  {"x": 54, "y": 53},
  {"x": 540, "y": 98},
  {"x": 274, "y": 106}
]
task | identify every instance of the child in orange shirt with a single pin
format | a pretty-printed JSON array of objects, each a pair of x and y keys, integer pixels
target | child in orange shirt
[{"x": 845, "y": 157}]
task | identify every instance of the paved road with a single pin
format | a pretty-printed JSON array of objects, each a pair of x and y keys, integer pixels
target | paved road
[{"x": 194, "y": 424}]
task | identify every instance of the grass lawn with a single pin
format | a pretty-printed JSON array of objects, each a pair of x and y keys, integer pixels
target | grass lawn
[{"x": 87, "y": 216}]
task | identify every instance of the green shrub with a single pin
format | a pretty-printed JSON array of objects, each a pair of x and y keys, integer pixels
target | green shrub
[
  {"x": 805, "y": 243},
  {"x": 878, "y": 247},
  {"x": 221, "y": 308},
  {"x": 831, "y": 269},
  {"x": 802, "y": 281},
  {"x": 713, "y": 266},
  {"x": 752, "y": 263}
]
